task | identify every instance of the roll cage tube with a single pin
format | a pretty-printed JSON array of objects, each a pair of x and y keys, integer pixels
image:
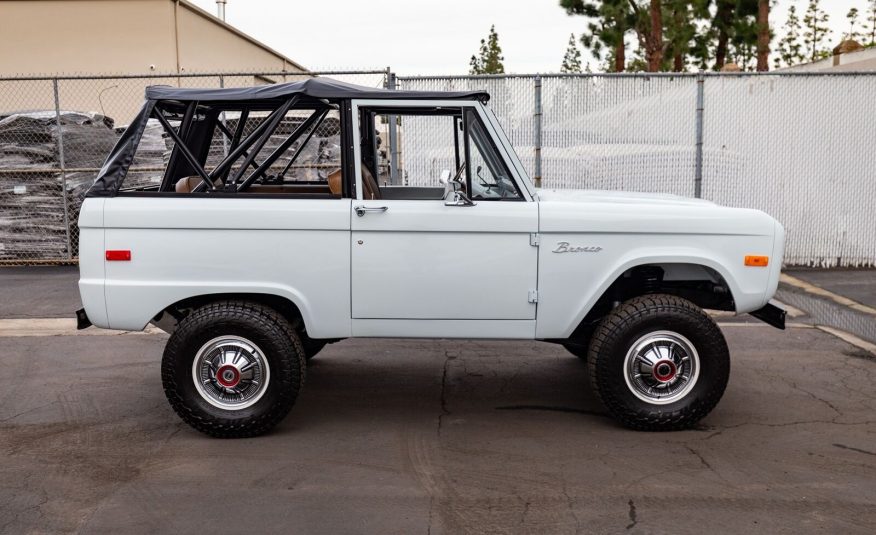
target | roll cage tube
[
  {"x": 220, "y": 170},
  {"x": 247, "y": 148},
  {"x": 186, "y": 153},
  {"x": 273, "y": 121},
  {"x": 183, "y": 131},
  {"x": 274, "y": 156},
  {"x": 303, "y": 143}
]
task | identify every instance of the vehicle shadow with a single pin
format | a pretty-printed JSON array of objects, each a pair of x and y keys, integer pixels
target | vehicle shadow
[{"x": 421, "y": 380}]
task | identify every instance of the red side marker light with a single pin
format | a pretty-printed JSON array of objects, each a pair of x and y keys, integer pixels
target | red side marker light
[{"x": 118, "y": 256}]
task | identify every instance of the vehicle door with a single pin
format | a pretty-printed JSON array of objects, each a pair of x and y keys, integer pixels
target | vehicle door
[{"x": 441, "y": 226}]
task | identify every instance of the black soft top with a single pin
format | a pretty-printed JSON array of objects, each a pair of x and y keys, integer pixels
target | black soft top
[
  {"x": 319, "y": 88},
  {"x": 177, "y": 100}
]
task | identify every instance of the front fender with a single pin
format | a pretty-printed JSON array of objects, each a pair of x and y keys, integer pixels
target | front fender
[{"x": 571, "y": 283}]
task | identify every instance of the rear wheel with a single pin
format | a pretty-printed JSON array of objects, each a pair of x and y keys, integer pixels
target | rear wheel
[
  {"x": 658, "y": 362},
  {"x": 233, "y": 369}
]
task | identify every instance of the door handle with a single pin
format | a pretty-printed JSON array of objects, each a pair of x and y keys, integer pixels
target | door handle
[{"x": 362, "y": 210}]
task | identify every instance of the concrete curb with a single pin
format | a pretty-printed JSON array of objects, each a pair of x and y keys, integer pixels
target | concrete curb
[{"x": 836, "y": 298}]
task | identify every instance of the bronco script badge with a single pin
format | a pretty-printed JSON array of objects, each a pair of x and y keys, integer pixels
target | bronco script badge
[{"x": 564, "y": 247}]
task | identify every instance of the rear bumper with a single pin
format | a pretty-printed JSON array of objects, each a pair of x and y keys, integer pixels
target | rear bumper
[{"x": 772, "y": 315}]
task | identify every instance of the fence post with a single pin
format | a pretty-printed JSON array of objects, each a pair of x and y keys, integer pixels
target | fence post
[
  {"x": 63, "y": 164},
  {"x": 698, "y": 171},
  {"x": 393, "y": 134},
  {"x": 224, "y": 122},
  {"x": 537, "y": 126}
]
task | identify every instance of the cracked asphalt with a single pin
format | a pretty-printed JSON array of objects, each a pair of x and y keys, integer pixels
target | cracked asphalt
[{"x": 410, "y": 436}]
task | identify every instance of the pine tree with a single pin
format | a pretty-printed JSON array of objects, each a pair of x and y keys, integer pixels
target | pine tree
[
  {"x": 734, "y": 31},
  {"x": 871, "y": 23},
  {"x": 722, "y": 27},
  {"x": 608, "y": 21},
  {"x": 852, "y": 17},
  {"x": 764, "y": 35},
  {"x": 790, "y": 47},
  {"x": 815, "y": 21},
  {"x": 572, "y": 59},
  {"x": 489, "y": 59},
  {"x": 682, "y": 24},
  {"x": 649, "y": 31}
]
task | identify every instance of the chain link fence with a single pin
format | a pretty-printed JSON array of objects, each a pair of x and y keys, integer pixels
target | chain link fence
[{"x": 797, "y": 145}]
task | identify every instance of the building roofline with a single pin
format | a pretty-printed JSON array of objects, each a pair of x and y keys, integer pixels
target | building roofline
[
  {"x": 827, "y": 63},
  {"x": 215, "y": 20}
]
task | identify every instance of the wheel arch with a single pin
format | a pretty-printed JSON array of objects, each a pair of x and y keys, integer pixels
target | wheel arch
[
  {"x": 700, "y": 280},
  {"x": 167, "y": 317}
]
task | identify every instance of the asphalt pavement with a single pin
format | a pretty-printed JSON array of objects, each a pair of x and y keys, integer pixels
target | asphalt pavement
[{"x": 434, "y": 436}]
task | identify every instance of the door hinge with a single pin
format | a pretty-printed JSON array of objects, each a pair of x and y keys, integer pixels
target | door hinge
[
  {"x": 533, "y": 296},
  {"x": 534, "y": 239}
]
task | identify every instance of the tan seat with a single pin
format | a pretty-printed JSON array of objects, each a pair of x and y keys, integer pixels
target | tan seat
[
  {"x": 189, "y": 183},
  {"x": 334, "y": 183},
  {"x": 369, "y": 186}
]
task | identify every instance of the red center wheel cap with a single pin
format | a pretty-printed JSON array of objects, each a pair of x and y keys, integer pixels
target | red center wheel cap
[
  {"x": 665, "y": 370},
  {"x": 228, "y": 376}
]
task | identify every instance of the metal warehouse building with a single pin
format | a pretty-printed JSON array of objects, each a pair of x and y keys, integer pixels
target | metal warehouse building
[{"x": 124, "y": 37}]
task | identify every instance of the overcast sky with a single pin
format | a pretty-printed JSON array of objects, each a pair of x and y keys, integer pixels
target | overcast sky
[{"x": 430, "y": 36}]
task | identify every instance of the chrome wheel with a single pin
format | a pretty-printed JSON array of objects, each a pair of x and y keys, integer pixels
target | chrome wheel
[
  {"x": 231, "y": 373},
  {"x": 661, "y": 367}
]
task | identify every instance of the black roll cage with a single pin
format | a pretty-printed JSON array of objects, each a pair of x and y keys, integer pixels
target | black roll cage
[
  {"x": 200, "y": 114},
  {"x": 197, "y": 122}
]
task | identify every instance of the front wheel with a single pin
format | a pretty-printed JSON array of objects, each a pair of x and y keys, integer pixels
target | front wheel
[
  {"x": 233, "y": 369},
  {"x": 658, "y": 362}
]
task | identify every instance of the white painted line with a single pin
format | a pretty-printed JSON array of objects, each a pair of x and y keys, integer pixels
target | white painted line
[
  {"x": 836, "y": 298},
  {"x": 790, "y": 325},
  {"x": 792, "y": 311},
  {"x": 59, "y": 327},
  {"x": 850, "y": 338}
]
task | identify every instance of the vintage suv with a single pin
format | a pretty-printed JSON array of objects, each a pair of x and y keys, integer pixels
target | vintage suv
[{"x": 294, "y": 215}]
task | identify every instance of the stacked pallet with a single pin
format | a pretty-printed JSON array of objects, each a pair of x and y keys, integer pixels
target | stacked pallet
[
  {"x": 32, "y": 186},
  {"x": 153, "y": 153}
]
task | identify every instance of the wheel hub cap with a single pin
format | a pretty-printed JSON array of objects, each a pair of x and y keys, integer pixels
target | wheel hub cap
[
  {"x": 230, "y": 372},
  {"x": 228, "y": 376},
  {"x": 661, "y": 367},
  {"x": 664, "y": 371}
]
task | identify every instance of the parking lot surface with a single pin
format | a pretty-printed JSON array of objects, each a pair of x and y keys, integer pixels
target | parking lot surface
[
  {"x": 413, "y": 436},
  {"x": 857, "y": 284}
]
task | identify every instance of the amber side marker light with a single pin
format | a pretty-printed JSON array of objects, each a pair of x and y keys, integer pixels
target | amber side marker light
[{"x": 757, "y": 260}]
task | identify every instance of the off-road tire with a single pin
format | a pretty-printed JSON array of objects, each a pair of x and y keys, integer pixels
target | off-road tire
[
  {"x": 617, "y": 333},
  {"x": 262, "y": 325}
]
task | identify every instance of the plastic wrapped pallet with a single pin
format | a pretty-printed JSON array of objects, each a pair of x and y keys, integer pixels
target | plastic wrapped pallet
[{"x": 32, "y": 185}]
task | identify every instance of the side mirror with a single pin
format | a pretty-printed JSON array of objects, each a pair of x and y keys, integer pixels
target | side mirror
[{"x": 459, "y": 199}]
